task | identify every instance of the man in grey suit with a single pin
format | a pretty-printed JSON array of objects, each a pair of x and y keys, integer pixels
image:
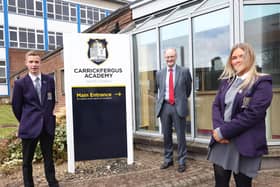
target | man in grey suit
[{"x": 174, "y": 84}]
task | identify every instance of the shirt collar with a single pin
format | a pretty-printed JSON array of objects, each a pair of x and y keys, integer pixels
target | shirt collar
[
  {"x": 173, "y": 68},
  {"x": 33, "y": 77},
  {"x": 244, "y": 76}
]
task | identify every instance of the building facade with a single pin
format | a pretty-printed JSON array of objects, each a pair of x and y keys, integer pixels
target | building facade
[
  {"x": 39, "y": 25},
  {"x": 203, "y": 32}
]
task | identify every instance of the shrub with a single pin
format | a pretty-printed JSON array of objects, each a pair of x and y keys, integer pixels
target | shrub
[{"x": 11, "y": 149}]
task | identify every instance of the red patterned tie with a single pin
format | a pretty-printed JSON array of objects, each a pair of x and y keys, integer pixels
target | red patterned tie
[{"x": 171, "y": 87}]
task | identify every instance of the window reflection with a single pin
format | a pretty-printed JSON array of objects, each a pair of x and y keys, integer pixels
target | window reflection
[
  {"x": 170, "y": 37},
  {"x": 261, "y": 26},
  {"x": 261, "y": 30},
  {"x": 210, "y": 48},
  {"x": 146, "y": 66}
]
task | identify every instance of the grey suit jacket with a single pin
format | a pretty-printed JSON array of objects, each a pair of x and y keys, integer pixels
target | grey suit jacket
[{"x": 182, "y": 88}]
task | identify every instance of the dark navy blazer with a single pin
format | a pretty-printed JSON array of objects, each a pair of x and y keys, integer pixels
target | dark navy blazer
[
  {"x": 247, "y": 125},
  {"x": 32, "y": 115}
]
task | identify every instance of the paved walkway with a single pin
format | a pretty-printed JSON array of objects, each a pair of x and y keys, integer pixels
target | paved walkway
[
  {"x": 144, "y": 173},
  {"x": 198, "y": 173}
]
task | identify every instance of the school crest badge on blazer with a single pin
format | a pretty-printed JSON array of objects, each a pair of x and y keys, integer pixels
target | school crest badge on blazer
[{"x": 97, "y": 50}]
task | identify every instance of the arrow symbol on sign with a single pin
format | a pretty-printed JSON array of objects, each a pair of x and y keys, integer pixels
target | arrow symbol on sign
[{"x": 118, "y": 94}]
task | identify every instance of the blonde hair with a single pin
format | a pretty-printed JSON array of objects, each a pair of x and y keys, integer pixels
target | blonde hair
[{"x": 249, "y": 60}]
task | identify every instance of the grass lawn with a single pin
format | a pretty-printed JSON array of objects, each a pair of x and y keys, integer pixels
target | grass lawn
[
  {"x": 7, "y": 132},
  {"x": 8, "y": 122}
]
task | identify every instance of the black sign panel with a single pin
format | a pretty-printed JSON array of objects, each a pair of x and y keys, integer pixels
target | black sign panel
[{"x": 99, "y": 118}]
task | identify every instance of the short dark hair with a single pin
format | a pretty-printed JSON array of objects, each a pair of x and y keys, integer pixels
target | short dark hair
[{"x": 32, "y": 53}]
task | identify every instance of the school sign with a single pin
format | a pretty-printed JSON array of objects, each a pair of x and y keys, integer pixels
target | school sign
[{"x": 98, "y": 92}]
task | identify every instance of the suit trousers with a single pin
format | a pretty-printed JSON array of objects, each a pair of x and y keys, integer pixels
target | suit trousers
[
  {"x": 222, "y": 178},
  {"x": 28, "y": 150},
  {"x": 168, "y": 118}
]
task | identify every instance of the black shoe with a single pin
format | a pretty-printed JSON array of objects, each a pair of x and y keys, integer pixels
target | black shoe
[
  {"x": 54, "y": 184},
  {"x": 166, "y": 165},
  {"x": 181, "y": 168}
]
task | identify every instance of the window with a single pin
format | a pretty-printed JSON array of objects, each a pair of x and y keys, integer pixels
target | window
[
  {"x": 170, "y": 37},
  {"x": 39, "y": 8},
  {"x": 58, "y": 9},
  {"x": 55, "y": 40},
  {"x": 27, "y": 38},
  {"x": 59, "y": 39},
  {"x": 50, "y": 8},
  {"x": 12, "y": 6},
  {"x": 40, "y": 39},
  {"x": 209, "y": 60},
  {"x": 146, "y": 64},
  {"x": 13, "y": 37},
  {"x": 21, "y": 6},
  {"x": 83, "y": 14},
  {"x": 1, "y": 5},
  {"x": 30, "y": 7},
  {"x": 89, "y": 15},
  {"x": 51, "y": 40},
  {"x": 31, "y": 38},
  {"x": 261, "y": 30},
  {"x": 62, "y": 10},
  {"x": 1, "y": 36},
  {"x": 102, "y": 13},
  {"x": 73, "y": 12},
  {"x": 25, "y": 7},
  {"x": 65, "y": 11},
  {"x": 22, "y": 37},
  {"x": 261, "y": 27},
  {"x": 96, "y": 15},
  {"x": 2, "y": 71}
]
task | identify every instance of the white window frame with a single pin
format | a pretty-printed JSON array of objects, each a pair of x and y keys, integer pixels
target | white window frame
[{"x": 5, "y": 76}]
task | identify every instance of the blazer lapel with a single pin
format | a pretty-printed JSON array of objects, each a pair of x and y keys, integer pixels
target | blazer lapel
[
  {"x": 30, "y": 85},
  {"x": 43, "y": 88},
  {"x": 177, "y": 75},
  {"x": 238, "y": 98},
  {"x": 222, "y": 96},
  {"x": 164, "y": 78}
]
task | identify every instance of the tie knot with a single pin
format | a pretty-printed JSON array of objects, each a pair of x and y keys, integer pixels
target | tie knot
[
  {"x": 37, "y": 79},
  {"x": 170, "y": 69}
]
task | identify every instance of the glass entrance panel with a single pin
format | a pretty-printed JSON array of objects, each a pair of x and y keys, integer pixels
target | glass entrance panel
[
  {"x": 211, "y": 41},
  {"x": 171, "y": 38},
  {"x": 262, "y": 31},
  {"x": 145, "y": 51}
]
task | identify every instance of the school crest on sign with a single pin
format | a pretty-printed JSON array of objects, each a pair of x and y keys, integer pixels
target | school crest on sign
[{"x": 97, "y": 50}]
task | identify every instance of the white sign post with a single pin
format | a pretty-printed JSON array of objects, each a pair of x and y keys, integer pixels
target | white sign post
[{"x": 95, "y": 66}]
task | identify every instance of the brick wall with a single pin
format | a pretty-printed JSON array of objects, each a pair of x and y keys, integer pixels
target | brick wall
[
  {"x": 123, "y": 19},
  {"x": 16, "y": 57},
  {"x": 54, "y": 64},
  {"x": 50, "y": 64}
]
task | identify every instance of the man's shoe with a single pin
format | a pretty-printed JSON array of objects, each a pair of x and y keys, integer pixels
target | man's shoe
[
  {"x": 181, "y": 168},
  {"x": 166, "y": 165}
]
